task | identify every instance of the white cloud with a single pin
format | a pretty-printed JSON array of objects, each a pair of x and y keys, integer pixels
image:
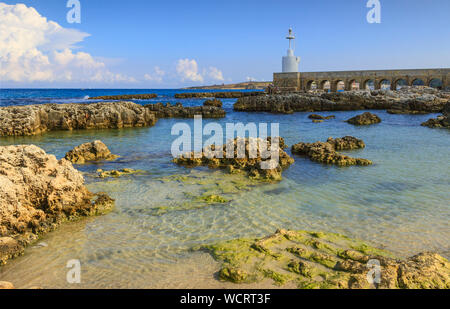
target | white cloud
[
  {"x": 251, "y": 79},
  {"x": 34, "y": 49},
  {"x": 157, "y": 76},
  {"x": 215, "y": 74},
  {"x": 187, "y": 69}
]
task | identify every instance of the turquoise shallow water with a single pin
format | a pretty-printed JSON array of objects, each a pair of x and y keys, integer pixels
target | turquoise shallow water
[{"x": 401, "y": 203}]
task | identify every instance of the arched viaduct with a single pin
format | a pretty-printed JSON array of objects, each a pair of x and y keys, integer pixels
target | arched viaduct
[{"x": 348, "y": 80}]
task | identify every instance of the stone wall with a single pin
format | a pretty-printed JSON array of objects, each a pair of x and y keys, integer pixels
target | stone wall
[{"x": 287, "y": 82}]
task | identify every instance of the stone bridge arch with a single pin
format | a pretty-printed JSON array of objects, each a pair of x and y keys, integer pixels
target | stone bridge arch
[
  {"x": 338, "y": 84},
  {"x": 325, "y": 84},
  {"x": 435, "y": 82},
  {"x": 418, "y": 81},
  {"x": 384, "y": 84},
  {"x": 399, "y": 83}
]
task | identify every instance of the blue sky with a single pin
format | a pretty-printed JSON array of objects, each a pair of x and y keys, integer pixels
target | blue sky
[{"x": 205, "y": 42}]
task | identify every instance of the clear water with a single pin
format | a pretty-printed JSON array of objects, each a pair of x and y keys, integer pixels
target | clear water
[{"x": 401, "y": 203}]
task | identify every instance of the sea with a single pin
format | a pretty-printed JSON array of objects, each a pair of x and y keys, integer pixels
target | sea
[{"x": 401, "y": 203}]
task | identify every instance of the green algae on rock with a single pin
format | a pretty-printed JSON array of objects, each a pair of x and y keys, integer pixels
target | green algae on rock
[
  {"x": 213, "y": 199},
  {"x": 197, "y": 202},
  {"x": 313, "y": 260},
  {"x": 249, "y": 155},
  {"x": 327, "y": 152}
]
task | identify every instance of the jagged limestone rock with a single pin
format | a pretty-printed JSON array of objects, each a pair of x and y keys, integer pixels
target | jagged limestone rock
[
  {"x": 93, "y": 151},
  {"x": 179, "y": 111},
  {"x": 327, "y": 152},
  {"x": 37, "y": 193},
  {"x": 364, "y": 119},
  {"x": 255, "y": 167},
  {"x": 37, "y": 119}
]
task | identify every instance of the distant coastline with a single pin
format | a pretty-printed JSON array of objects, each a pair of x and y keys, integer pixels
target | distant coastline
[{"x": 238, "y": 86}]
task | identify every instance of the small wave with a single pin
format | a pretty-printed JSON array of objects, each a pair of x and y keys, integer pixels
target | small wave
[{"x": 86, "y": 97}]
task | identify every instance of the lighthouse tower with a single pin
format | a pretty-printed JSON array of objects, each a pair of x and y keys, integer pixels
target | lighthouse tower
[{"x": 290, "y": 62}]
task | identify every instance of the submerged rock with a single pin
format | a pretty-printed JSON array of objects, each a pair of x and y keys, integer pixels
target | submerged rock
[
  {"x": 311, "y": 260},
  {"x": 37, "y": 193},
  {"x": 319, "y": 117},
  {"x": 215, "y": 102},
  {"x": 179, "y": 111},
  {"x": 364, "y": 119},
  {"x": 117, "y": 173},
  {"x": 250, "y": 155},
  {"x": 213, "y": 199},
  {"x": 93, "y": 151},
  {"x": 146, "y": 96},
  {"x": 327, "y": 152},
  {"x": 36, "y": 119}
]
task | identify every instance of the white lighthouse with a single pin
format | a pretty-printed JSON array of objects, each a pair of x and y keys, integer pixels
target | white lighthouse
[{"x": 290, "y": 62}]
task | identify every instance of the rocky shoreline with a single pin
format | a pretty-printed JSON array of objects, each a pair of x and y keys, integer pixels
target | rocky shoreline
[
  {"x": 37, "y": 194},
  {"x": 440, "y": 122},
  {"x": 406, "y": 100},
  {"x": 147, "y": 96},
  {"x": 218, "y": 95},
  {"x": 179, "y": 111},
  {"x": 36, "y": 119}
]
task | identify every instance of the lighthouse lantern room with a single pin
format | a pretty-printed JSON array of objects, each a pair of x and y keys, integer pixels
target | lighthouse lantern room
[{"x": 290, "y": 62}]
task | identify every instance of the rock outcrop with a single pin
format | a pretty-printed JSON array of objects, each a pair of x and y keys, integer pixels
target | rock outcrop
[
  {"x": 214, "y": 102},
  {"x": 327, "y": 152},
  {"x": 118, "y": 173},
  {"x": 441, "y": 121},
  {"x": 249, "y": 155},
  {"x": 93, "y": 151},
  {"x": 37, "y": 193},
  {"x": 319, "y": 117},
  {"x": 147, "y": 96},
  {"x": 179, "y": 111},
  {"x": 36, "y": 119},
  {"x": 318, "y": 260},
  {"x": 219, "y": 95},
  {"x": 364, "y": 119},
  {"x": 406, "y": 100}
]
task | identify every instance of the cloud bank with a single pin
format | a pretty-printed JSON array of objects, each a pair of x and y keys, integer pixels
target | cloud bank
[
  {"x": 34, "y": 49},
  {"x": 187, "y": 70}
]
